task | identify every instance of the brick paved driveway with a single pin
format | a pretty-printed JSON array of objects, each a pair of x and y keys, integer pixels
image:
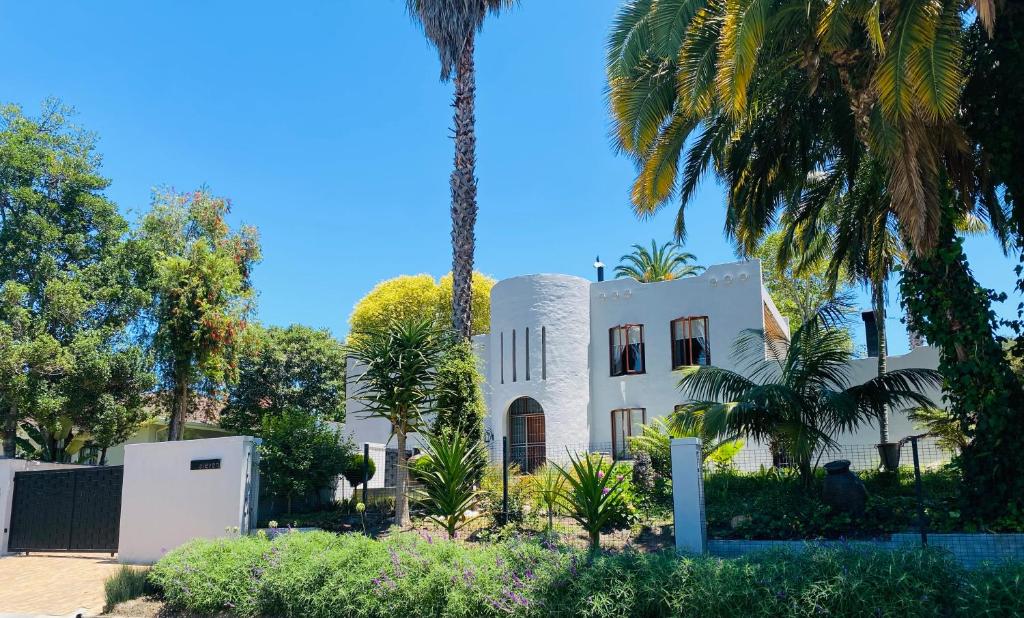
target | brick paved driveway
[{"x": 54, "y": 584}]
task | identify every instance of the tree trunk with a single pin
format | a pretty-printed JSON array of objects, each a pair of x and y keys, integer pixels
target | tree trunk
[
  {"x": 103, "y": 457},
  {"x": 11, "y": 432},
  {"x": 401, "y": 483},
  {"x": 878, "y": 299},
  {"x": 179, "y": 408},
  {"x": 463, "y": 187}
]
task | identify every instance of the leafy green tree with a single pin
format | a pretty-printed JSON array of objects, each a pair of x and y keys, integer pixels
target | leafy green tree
[
  {"x": 202, "y": 293},
  {"x": 451, "y": 27},
  {"x": 459, "y": 406},
  {"x": 286, "y": 368},
  {"x": 69, "y": 288},
  {"x": 789, "y": 105},
  {"x": 661, "y": 263},
  {"x": 419, "y": 297},
  {"x": 300, "y": 454},
  {"x": 798, "y": 289},
  {"x": 799, "y": 397},
  {"x": 451, "y": 465},
  {"x": 395, "y": 380}
]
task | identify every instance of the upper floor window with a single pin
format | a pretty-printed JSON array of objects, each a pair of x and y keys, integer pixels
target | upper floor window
[
  {"x": 690, "y": 342},
  {"x": 626, "y": 349}
]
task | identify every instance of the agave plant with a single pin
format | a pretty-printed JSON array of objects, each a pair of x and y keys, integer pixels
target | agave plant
[
  {"x": 592, "y": 497},
  {"x": 448, "y": 472},
  {"x": 549, "y": 487}
]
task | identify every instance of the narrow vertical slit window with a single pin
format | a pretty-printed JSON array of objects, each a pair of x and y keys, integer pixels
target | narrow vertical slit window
[
  {"x": 514, "y": 359},
  {"x": 543, "y": 353},
  {"x": 526, "y": 342},
  {"x": 501, "y": 353}
]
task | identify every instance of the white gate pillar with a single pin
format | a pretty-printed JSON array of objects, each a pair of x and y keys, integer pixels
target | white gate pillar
[{"x": 688, "y": 496}]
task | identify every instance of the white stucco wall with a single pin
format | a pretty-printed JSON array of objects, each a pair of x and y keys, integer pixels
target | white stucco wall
[
  {"x": 8, "y": 467},
  {"x": 164, "y": 503},
  {"x": 864, "y": 369},
  {"x": 578, "y": 393},
  {"x": 730, "y": 295},
  {"x": 559, "y": 376}
]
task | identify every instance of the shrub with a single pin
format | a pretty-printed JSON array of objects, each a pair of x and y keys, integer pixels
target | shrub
[
  {"x": 452, "y": 464},
  {"x": 312, "y": 575},
  {"x": 593, "y": 496},
  {"x": 353, "y": 470},
  {"x": 127, "y": 584},
  {"x": 518, "y": 493},
  {"x": 548, "y": 488},
  {"x": 300, "y": 454}
]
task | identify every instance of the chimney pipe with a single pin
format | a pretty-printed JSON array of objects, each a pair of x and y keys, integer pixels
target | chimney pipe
[
  {"x": 870, "y": 332},
  {"x": 599, "y": 265}
]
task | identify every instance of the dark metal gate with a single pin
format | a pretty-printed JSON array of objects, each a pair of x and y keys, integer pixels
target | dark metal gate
[{"x": 67, "y": 510}]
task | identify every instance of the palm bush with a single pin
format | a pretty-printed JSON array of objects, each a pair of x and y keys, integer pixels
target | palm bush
[
  {"x": 798, "y": 394},
  {"x": 448, "y": 471},
  {"x": 549, "y": 484},
  {"x": 661, "y": 263},
  {"x": 592, "y": 496},
  {"x": 655, "y": 440},
  {"x": 396, "y": 366}
]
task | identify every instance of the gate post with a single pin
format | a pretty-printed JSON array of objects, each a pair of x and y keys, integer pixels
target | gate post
[{"x": 688, "y": 496}]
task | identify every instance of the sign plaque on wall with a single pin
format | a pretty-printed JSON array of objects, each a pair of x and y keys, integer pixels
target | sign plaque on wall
[{"x": 205, "y": 464}]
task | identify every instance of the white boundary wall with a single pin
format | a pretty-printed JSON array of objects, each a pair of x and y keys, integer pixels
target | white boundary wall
[
  {"x": 7, "y": 469},
  {"x": 165, "y": 503}
]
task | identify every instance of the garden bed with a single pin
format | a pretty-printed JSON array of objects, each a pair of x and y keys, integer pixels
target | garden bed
[
  {"x": 773, "y": 505},
  {"x": 322, "y": 574}
]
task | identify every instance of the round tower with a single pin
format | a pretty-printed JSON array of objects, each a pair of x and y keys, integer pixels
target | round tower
[{"x": 538, "y": 367}]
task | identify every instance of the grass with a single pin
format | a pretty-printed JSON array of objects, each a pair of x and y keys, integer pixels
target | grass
[{"x": 127, "y": 584}]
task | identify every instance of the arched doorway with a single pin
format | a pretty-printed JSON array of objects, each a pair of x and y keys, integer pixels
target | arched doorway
[{"x": 526, "y": 441}]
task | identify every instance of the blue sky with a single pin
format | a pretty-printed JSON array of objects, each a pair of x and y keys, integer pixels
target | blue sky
[{"x": 327, "y": 125}]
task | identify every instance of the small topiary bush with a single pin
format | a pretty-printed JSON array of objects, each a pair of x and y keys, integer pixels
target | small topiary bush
[
  {"x": 353, "y": 471},
  {"x": 321, "y": 574}
]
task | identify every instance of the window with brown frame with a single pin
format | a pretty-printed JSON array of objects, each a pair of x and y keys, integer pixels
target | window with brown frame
[
  {"x": 626, "y": 349},
  {"x": 626, "y": 423},
  {"x": 690, "y": 342}
]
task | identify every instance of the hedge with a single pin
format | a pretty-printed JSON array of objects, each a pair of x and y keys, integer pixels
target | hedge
[{"x": 322, "y": 574}]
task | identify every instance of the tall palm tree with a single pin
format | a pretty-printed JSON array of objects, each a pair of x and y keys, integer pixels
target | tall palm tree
[
  {"x": 797, "y": 395},
  {"x": 859, "y": 235},
  {"x": 776, "y": 97},
  {"x": 890, "y": 70},
  {"x": 394, "y": 380},
  {"x": 451, "y": 26},
  {"x": 662, "y": 263}
]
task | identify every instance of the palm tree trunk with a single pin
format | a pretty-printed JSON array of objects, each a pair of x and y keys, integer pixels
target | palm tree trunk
[
  {"x": 463, "y": 187},
  {"x": 179, "y": 407},
  {"x": 401, "y": 483},
  {"x": 878, "y": 298}
]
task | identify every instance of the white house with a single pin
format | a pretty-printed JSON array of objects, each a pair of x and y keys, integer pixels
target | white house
[{"x": 581, "y": 365}]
